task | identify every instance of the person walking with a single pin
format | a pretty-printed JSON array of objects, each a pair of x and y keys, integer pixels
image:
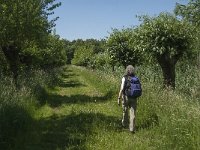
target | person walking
[{"x": 129, "y": 91}]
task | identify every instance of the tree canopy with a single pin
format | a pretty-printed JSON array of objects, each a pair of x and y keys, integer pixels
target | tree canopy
[
  {"x": 120, "y": 47},
  {"x": 24, "y": 23},
  {"x": 189, "y": 11},
  {"x": 166, "y": 39}
]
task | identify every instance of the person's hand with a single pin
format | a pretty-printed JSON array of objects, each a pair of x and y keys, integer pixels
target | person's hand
[{"x": 118, "y": 101}]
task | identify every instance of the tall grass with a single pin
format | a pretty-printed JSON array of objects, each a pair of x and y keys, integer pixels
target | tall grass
[
  {"x": 170, "y": 118},
  {"x": 18, "y": 105},
  {"x": 188, "y": 81},
  {"x": 16, "y": 109}
]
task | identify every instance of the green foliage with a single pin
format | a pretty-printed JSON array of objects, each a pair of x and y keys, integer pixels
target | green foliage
[
  {"x": 86, "y": 52},
  {"x": 82, "y": 56},
  {"x": 164, "y": 34},
  {"x": 121, "y": 48},
  {"x": 69, "y": 48},
  {"x": 189, "y": 11},
  {"x": 4, "y": 65},
  {"x": 54, "y": 53},
  {"x": 23, "y": 21},
  {"x": 100, "y": 60}
]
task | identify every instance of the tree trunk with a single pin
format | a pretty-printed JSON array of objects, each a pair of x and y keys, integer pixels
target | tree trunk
[
  {"x": 168, "y": 75},
  {"x": 12, "y": 56},
  {"x": 168, "y": 68}
]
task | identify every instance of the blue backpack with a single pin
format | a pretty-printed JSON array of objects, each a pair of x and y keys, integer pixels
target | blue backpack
[{"x": 133, "y": 87}]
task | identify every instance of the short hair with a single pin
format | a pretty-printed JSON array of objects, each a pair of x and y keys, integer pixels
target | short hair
[{"x": 130, "y": 70}]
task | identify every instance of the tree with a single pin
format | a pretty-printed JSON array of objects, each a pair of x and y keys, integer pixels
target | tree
[
  {"x": 166, "y": 39},
  {"x": 69, "y": 48},
  {"x": 23, "y": 22},
  {"x": 83, "y": 52},
  {"x": 96, "y": 45},
  {"x": 82, "y": 56},
  {"x": 54, "y": 53},
  {"x": 100, "y": 60},
  {"x": 189, "y": 11},
  {"x": 120, "y": 47}
]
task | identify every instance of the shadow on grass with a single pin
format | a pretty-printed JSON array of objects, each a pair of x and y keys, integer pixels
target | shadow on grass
[
  {"x": 68, "y": 84},
  {"x": 70, "y": 132},
  {"x": 15, "y": 118},
  {"x": 54, "y": 100},
  {"x": 68, "y": 73}
]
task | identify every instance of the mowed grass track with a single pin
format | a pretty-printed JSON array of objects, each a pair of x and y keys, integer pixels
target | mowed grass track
[{"x": 81, "y": 112}]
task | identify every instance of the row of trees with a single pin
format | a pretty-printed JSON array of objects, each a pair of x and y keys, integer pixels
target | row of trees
[
  {"x": 164, "y": 39},
  {"x": 27, "y": 40}
]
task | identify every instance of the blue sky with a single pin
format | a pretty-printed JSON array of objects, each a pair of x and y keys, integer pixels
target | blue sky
[{"x": 84, "y": 19}]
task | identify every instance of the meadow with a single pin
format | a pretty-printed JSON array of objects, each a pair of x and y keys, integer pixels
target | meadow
[{"x": 79, "y": 111}]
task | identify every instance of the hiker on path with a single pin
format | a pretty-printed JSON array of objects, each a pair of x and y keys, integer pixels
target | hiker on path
[{"x": 129, "y": 91}]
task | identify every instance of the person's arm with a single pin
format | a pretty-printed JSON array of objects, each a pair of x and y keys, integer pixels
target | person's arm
[
  {"x": 119, "y": 97},
  {"x": 121, "y": 91}
]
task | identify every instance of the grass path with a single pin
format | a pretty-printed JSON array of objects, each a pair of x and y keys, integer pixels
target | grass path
[{"x": 76, "y": 114}]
